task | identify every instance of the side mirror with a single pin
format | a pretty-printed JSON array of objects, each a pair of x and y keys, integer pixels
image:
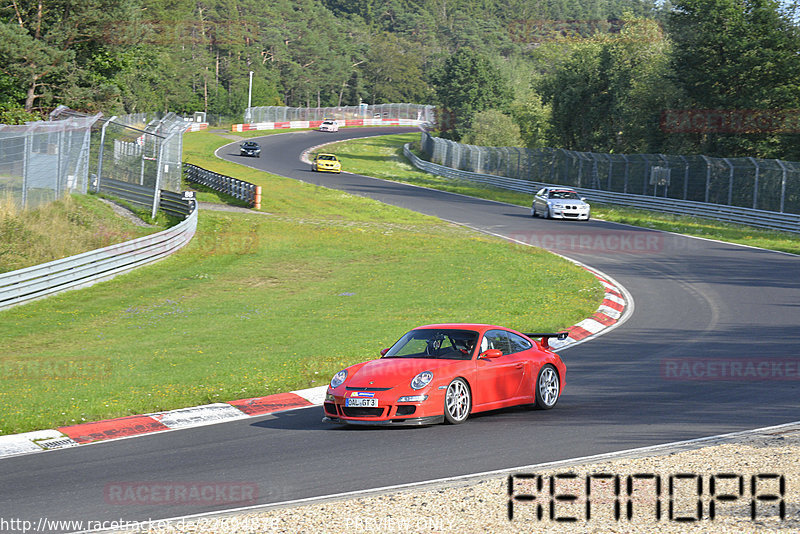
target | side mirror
[
  {"x": 491, "y": 353},
  {"x": 583, "y": 199},
  {"x": 384, "y": 351}
]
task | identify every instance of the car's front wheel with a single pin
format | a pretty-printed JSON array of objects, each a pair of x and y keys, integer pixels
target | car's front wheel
[
  {"x": 457, "y": 402},
  {"x": 547, "y": 387},
  {"x": 533, "y": 210}
]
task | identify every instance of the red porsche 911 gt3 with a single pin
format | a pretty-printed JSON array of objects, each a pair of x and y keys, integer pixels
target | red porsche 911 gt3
[{"x": 444, "y": 372}]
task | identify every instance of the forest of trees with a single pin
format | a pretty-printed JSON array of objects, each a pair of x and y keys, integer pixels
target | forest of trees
[{"x": 579, "y": 74}]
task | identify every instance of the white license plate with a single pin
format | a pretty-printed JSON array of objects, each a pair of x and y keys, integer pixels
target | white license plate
[{"x": 361, "y": 403}]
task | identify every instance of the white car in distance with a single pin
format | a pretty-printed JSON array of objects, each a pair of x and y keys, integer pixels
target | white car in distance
[{"x": 329, "y": 125}]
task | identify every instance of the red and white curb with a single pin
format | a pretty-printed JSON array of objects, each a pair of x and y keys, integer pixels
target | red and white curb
[
  {"x": 136, "y": 425},
  {"x": 617, "y": 305}
]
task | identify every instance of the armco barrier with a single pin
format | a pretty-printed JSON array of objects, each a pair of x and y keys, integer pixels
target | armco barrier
[
  {"x": 240, "y": 189},
  {"x": 169, "y": 201},
  {"x": 763, "y": 219},
  {"x": 31, "y": 283}
]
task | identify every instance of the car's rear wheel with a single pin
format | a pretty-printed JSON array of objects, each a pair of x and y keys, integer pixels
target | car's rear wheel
[
  {"x": 548, "y": 386},
  {"x": 457, "y": 402}
]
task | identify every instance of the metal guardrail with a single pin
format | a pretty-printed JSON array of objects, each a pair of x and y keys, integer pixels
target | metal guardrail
[
  {"x": 82, "y": 270},
  {"x": 236, "y": 188},
  {"x": 169, "y": 201},
  {"x": 763, "y": 219}
]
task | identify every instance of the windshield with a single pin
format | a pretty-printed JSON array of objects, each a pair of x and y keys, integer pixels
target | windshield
[
  {"x": 570, "y": 195},
  {"x": 435, "y": 343},
  {"x": 327, "y": 158}
]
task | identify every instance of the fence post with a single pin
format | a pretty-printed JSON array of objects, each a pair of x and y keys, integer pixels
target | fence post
[
  {"x": 57, "y": 190},
  {"x": 627, "y": 173},
  {"x": 783, "y": 183},
  {"x": 730, "y": 181},
  {"x": 100, "y": 153},
  {"x": 708, "y": 176},
  {"x": 665, "y": 161},
  {"x": 26, "y": 163},
  {"x": 685, "y": 177},
  {"x": 159, "y": 174},
  {"x": 755, "y": 182}
]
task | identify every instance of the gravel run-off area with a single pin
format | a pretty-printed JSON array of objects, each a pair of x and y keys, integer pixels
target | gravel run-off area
[{"x": 769, "y": 458}]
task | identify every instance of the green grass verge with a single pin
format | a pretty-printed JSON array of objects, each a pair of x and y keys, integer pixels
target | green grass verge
[
  {"x": 261, "y": 303},
  {"x": 383, "y": 157}
]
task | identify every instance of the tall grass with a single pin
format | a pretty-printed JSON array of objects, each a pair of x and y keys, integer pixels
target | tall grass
[{"x": 74, "y": 224}]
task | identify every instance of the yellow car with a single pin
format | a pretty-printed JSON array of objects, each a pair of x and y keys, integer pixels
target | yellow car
[{"x": 326, "y": 163}]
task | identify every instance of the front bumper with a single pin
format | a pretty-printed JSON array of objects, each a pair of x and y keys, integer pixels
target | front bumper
[
  {"x": 329, "y": 169},
  {"x": 408, "y": 421},
  {"x": 388, "y": 412},
  {"x": 579, "y": 215}
]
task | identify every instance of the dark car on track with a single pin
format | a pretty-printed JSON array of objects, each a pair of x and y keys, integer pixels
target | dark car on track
[{"x": 250, "y": 148}]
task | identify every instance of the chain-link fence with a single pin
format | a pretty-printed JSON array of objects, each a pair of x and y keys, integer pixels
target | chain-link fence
[
  {"x": 143, "y": 149},
  {"x": 72, "y": 152},
  {"x": 765, "y": 184},
  {"x": 41, "y": 161},
  {"x": 388, "y": 111}
]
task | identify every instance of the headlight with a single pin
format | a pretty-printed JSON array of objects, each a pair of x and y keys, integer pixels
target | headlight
[
  {"x": 422, "y": 380},
  {"x": 339, "y": 378},
  {"x": 412, "y": 398}
]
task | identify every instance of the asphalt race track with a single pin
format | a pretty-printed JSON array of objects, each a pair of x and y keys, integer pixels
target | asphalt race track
[{"x": 694, "y": 299}]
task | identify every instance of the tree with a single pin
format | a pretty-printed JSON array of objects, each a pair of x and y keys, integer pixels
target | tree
[
  {"x": 393, "y": 71},
  {"x": 609, "y": 92},
  {"x": 493, "y": 128},
  {"x": 533, "y": 118},
  {"x": 466, "y": 84},
  {"x": 737, "y": 55},
  {"x": 32, "y": 63}
]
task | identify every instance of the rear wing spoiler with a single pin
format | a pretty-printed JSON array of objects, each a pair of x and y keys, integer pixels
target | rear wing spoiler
[{"x": 561, "y": 336}]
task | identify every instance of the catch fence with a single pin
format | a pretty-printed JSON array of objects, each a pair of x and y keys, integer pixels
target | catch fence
[
  {"x": 74, "y": 153},
  {"x": 414, "y": 112},
  {"x": 143, "y": 149},
  {"x": 41, "y": 161},
  {"x": 760, "y": 184}
]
